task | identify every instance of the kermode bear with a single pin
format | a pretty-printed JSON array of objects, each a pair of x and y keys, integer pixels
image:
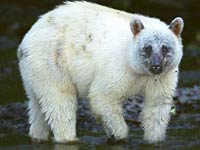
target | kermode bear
[{"x": 84, "y": 50}]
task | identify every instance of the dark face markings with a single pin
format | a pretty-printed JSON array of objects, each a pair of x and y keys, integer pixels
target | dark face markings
[
  {"x": 148, "y": 50},
  {"x": 165, "y": 50},
  {"x": 156, "y": 59}
]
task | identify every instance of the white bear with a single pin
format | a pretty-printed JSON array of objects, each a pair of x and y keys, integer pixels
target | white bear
[{"x": 84, "y": 50}]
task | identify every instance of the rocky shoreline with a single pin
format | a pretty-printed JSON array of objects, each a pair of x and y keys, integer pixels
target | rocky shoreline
[{"x": 14, "y": 119}]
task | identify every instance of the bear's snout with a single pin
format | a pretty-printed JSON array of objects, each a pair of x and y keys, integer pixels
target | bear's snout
[{"x": 156, "y": 64}]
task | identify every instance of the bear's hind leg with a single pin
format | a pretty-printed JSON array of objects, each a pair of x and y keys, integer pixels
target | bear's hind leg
[
  {"x": 59, "y": 103},
  {"x": 39, "y": 130}
]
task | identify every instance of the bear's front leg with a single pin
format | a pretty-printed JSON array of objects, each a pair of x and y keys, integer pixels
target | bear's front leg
[
  {"x": 109, "y": 111},
  {"x": 156, "y": 115}
]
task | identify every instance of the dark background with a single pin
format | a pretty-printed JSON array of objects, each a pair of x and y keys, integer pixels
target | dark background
[{"x": 18, "y": 16}]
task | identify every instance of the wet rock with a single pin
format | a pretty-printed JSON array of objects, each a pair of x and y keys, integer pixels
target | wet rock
[
  {"x": 188, "y": 95},
  {"x": 13, "y": 118}
]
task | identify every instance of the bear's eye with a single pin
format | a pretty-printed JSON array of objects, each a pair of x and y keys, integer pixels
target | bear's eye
[
  {"x": 148, "y": 50},
  {"x": 165, "y": 50}
]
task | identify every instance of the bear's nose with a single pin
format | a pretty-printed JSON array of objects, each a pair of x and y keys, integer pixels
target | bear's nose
[
  {"x": 155, "y": 63},
  {"x": 156, "y": 69}
]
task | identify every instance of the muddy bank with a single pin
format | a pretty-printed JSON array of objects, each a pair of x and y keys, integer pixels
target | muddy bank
[{"x": 14, "y": 119}]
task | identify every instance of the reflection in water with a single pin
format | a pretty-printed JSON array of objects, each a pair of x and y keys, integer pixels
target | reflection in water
[
  {"x": 86, "y": 147},
  {"x": 65, "y": 147}
]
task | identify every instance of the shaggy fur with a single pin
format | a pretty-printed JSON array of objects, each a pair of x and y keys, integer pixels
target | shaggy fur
[{"x": 84, "y": 50}]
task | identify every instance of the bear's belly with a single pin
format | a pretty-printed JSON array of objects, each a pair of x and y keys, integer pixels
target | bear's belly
[{"x": 82, "y": 74}]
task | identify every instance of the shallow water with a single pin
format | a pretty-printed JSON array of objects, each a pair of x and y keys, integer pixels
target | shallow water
[{"x": 183, "y": 133}]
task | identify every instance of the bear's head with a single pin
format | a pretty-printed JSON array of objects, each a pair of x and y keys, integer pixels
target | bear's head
[{"x": 157, "y": 47}]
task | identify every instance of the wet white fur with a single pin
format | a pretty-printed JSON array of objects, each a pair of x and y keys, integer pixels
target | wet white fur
[{"x": 85, "y": 50}]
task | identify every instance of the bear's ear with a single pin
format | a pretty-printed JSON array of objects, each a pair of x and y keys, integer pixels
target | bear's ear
[
  {"x": 176, "y": 26},
  {"x": 136, "y": 26}
]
